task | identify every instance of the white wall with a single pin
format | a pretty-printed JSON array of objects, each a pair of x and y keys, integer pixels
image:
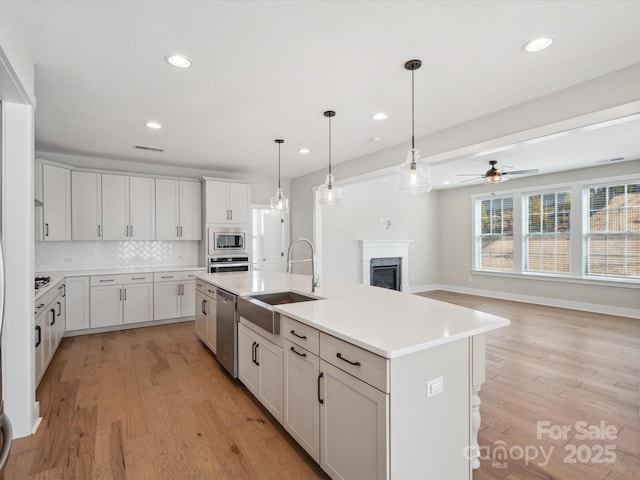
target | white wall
[
  {"x": 456, "y": 241},
  {"x": 364, "y": 205}
]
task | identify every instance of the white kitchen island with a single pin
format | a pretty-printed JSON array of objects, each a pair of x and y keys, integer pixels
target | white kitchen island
[{"x": 375, "y": 383}]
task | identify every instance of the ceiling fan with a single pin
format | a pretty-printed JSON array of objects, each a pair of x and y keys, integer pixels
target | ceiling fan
[{"x": 494, "y": 175}]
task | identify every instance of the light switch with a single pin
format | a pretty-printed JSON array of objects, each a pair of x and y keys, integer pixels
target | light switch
[{"x": 435, "y": 386}]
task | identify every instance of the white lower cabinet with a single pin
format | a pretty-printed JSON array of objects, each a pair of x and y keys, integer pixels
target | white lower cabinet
[
  {"x": 174, "y": 294},
  {"x": 49, "y": 328},
  {"x": 121, "y": 299},
  {"x": 205, "y": 312},
  {"x": 301, "y": 405},
  {"x": 353, "y": 426},
  {"x": 260, "y": 369}
]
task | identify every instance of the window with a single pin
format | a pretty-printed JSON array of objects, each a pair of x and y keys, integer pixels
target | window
[
  {"x": 547, "y": 234},
  {"x": 613, "y": 231},
  {"x": 495, "y": 241}
]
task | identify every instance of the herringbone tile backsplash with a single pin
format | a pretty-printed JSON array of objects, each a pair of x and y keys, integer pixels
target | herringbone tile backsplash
[{"x": 65, "y": 256}]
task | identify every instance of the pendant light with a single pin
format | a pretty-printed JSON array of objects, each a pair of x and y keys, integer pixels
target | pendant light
[
  {"x": 414, "y": 176},
  {"x": 279, "y": 203},
  {"x": 330, "y": 194}
]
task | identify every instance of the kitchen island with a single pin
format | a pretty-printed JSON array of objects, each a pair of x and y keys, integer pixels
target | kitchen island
[{"x": 372, "y": 383}]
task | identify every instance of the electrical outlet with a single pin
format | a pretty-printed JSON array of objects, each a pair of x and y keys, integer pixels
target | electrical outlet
[{"x": 68, "y": 260}]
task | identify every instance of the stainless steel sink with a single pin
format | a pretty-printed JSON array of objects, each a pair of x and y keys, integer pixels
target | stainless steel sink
[{"x": 259, "y": 308}]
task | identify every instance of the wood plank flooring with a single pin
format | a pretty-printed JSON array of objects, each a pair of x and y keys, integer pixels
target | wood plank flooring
[
  {"x": 560, "y": 366},
  {"x": 153, "y": 403}
]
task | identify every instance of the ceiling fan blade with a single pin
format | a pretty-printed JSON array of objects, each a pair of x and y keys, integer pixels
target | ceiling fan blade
[
  {"x": 521, "y": 172},
  {"x": 471, "y": 179},
  {"x": 469, "y": 174}
]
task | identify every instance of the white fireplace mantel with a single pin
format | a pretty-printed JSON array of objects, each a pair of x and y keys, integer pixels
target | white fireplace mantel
[{"x": 385, "y": 249}]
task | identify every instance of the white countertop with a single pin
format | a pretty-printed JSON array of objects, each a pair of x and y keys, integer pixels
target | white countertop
[
  {"x": 386, "y": 322},
  {"x": 56, "y": 277}
]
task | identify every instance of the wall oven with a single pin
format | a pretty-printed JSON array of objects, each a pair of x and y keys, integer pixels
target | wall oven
[
  {"x": 226, "y": 241},
  {"x": 221, "y": 264}
]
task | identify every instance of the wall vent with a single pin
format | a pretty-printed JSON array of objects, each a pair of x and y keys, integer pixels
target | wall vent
[{"x": 147, "y": 147}]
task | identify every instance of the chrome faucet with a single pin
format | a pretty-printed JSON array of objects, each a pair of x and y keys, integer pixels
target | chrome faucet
[{"x": 315, "y": 281}]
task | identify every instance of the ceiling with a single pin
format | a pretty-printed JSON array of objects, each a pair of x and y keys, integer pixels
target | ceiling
[{"x": 266, "y": 70}]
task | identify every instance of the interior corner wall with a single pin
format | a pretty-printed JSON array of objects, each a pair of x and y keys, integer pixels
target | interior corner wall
[
  {"x": 455, "y": 225},
  {"x": 363, "y": 214}
]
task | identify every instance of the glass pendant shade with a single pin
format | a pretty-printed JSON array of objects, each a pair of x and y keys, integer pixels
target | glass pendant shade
[
  {"x": 493, "y": 179},
  {"x": 279, "y": 203},
  {"x": 414, "y": 176},
  {"x": 330, "y": 193}
]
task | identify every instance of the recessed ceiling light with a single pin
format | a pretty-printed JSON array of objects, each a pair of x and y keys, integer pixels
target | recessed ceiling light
[
  {"x": 179, "y": 61},
  {"x": 537, "y": 44},
  {"x": 304, "y": 151},
  {"x": 375, "y": 139},
  {"x": 153, "y": 125},
  {"x": 380, "y": 116},
  {"x": 446, "y": 182}
]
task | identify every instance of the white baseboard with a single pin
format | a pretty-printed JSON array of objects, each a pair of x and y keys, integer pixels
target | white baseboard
[
  {"x": 423, "y": 288},
  {"x": 113, "y": 328},
  {"x": 551, "y": 302}
]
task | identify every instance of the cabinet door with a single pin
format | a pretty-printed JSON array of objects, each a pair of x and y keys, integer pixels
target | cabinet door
[
  {"x": 190, "y": 211},
  {"x": 38, "y": 342},
  {"x": 187, "y": 299},
  {"x": 166, "y": 300},
  {"x": 201, "y": 315},
  {"x": 216, "y": 202},
  {"x": 77, "y": 303},
  {"x": 60, "y": 306},
  {"x": 238, "y": 198},
  {"x": 167, "y": 214},
  {"x": 301, "y": 406},
  {"x": 248, "y": 369},
  {"x": 115, "y": 207},
  {"x": 86, "y": 206},
  {"x": 106, "y": 306},
  {"x": 212, "y": 326},
  {"x": 269, "y": 356},
  {"x": 138, "y": 302},
  {"x": 353, "y": 426},
  {"x": 142, "y": 208},
  {"x": 49, "y": 333},
  {"x": 56, "y": 193}
]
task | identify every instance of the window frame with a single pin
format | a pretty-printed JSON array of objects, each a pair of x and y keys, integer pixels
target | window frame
[
  {"x": 478, "y": 235},
  {"x": 578, "y": 216}
]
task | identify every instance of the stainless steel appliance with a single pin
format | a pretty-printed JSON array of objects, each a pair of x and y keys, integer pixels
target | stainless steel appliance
[
  {"x": 5, "y": 423},
  {"x": 226, "y": 241},
  {"x": 41, "y": 282},
  {"x": 227, "y": 331},
  {"x": 223, "y": 264}
]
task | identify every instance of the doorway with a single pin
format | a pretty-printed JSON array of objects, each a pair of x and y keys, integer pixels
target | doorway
[{"x": 270, "y": 239}]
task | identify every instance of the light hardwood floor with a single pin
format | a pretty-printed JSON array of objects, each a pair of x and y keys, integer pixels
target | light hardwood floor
[{"x": 153, "y": 403}]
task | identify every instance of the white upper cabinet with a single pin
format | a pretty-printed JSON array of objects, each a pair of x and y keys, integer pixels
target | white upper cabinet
[
  {"x": 128, "y": 207},
  {"x": 227, "y": 202},
  {"x": 179, "y": 210},
  {"x": 56, "y": 196},
  {"x": 86, "y": 206}
]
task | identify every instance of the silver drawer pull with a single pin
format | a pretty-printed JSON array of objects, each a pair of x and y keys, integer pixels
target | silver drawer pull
[
  {"x": 166, "y": 276},
  {"x": 303, "y": 337},
  {"x": 355, "y": 364},
  {"x": 110, "y": 280},
  {"x": 190, "y": 275},
  {"x": 138, "y": 278}
]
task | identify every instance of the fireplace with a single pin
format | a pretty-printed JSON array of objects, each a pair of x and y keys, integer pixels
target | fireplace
[
  {"x": 386, "y": 272},
  {"x": 397, "y": 250}
]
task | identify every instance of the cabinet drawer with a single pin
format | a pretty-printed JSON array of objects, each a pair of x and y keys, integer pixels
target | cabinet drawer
[
  {"x": 366, "y": 366},
  {"x": 176, "y": 276},
  {"x": 206, "y": 288},
  {"x": 301, "y": 334},
  {"x": 121, "y": 279}
]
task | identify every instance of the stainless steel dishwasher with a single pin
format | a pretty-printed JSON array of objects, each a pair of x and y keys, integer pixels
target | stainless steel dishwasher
[{"x": 227, "y": 331}]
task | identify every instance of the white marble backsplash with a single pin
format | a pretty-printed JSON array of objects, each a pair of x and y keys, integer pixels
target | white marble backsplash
[{"x": 66, "y": 256}]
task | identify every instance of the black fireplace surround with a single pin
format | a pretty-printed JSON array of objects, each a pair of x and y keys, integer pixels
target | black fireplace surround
[{"x": 386, "y": 272}]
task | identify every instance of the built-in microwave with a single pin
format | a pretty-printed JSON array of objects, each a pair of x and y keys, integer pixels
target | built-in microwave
[{"x": 222, "y": 240}]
